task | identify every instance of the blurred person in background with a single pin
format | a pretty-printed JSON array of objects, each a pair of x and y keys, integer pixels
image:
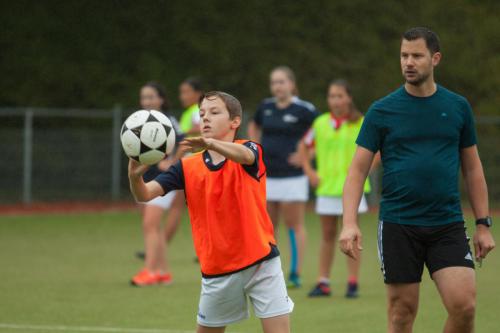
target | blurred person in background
[
  {"x": 333, "y": 139},
  {"x": 279, "y": 124},
  {"x": 190, "y": 91},
  {"x": 156, "y": 270}
]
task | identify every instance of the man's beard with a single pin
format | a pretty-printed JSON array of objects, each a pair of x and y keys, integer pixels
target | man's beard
[{"x": 418, "y": 80}]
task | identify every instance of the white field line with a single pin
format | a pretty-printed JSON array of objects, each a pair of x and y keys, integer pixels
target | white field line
[
  {"x": 63, "y": 328},
  {"x": 70, "y": 329}
]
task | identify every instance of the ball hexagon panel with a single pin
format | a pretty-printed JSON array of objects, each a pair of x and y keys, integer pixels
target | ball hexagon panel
[{"x": 153, "y": 134}]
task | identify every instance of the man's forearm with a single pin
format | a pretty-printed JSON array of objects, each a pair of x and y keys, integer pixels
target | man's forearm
[
  {"x": 353, "y": 190},
  {"x": 478, "y": 192}
]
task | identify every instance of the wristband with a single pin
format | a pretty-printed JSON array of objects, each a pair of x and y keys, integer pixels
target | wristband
[{"x": 487, "y": 221}]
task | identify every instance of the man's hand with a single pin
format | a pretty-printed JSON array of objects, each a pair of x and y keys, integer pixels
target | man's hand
[
  {"x": 136, "y": 169},
  {"x": 196, "y": 143},
  {"x": 350, "y": 241},
  {"x": 483, "y": 242}
]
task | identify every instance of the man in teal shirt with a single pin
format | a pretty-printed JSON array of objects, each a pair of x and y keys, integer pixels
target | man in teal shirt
[{"x": 424, "y": 132}]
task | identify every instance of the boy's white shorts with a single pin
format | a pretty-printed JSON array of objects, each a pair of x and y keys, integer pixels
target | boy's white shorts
[
  {"x": 287, "y": 189},
  {"x": 163, "y": 201},
  {"x": 224, "y": 300},
  {"x": 333, "y": 205}
]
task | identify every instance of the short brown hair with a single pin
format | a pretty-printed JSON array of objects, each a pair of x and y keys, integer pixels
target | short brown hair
[
  {"x": 232, "y": 104},
  {"x": 430, "y": 37}
]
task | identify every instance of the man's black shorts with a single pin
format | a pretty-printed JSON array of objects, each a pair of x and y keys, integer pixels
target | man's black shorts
[{"x": 404, "y": 249}]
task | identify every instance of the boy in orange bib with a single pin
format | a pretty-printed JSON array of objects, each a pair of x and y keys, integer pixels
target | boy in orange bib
[{"x": 225, "y": 187}]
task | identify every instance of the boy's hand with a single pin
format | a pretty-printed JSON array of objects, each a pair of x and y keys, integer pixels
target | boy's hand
[
  {"x": 196, "y": 143},
  {"x": 136, "y": 169}
]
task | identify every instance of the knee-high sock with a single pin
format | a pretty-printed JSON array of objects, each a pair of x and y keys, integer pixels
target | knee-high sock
[{"x": 294, "y": 256}]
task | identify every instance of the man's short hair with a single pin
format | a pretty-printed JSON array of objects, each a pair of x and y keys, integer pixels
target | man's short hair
[
  {"x": 231, "y": 102},
  {"x": 430, "y": 37}
]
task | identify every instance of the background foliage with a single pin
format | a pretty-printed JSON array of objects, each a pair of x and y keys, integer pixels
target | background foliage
[{"x": 98, "y": 53}]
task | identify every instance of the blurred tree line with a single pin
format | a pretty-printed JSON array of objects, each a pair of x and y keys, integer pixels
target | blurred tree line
[{"x": 96, "y": 54}]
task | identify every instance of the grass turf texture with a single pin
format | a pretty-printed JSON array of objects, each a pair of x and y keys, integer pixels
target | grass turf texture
[{"x": 73, "y": 270}]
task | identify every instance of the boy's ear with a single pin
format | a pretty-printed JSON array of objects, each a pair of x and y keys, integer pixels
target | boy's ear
[{"x": 235, "y": 122}]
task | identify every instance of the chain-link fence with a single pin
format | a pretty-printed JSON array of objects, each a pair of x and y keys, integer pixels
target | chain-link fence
[
  {"x": 70, "y": 154},
  {"x": 61, "y": 154}
]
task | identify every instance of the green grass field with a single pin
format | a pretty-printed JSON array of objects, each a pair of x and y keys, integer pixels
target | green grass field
[{"x": 70, "y": 273}]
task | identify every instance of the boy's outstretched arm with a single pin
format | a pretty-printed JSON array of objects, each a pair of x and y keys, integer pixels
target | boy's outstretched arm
[
  {"x": 141, "y": 191},
  {"x": 233, "y": 151}
]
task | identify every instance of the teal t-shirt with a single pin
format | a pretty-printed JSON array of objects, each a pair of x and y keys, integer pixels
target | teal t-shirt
[{"x": 419, "y": 139}]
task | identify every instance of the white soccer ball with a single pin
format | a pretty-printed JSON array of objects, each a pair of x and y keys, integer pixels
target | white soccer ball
[{"x": 147, "y": 136}]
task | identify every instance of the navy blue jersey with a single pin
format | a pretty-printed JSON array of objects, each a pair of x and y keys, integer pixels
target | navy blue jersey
[
  {"x": 281, "y": 131},
  {"x": 153, "y": 171},
  {"x": 173, "y": 178}
]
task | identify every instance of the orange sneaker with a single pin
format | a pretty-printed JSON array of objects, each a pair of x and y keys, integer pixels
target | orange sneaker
[
  {"x": 144, "y": 278},
  {"x": 165, "y": 279}
]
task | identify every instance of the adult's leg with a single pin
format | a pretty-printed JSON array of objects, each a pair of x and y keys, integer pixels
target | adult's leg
[
  {"x": 278, "y": 324},
  {"x": 154, "y": 243},
  {"x": 205, "y": 329},
  {"x": 293, "y": 216},
  {"x": 402, "y": 306},
  {"x": 174, "y": 215},
  {"x": 457, "y": 287},
  {"x": 274, "y": 213},
  {"x": 327, "y": 245}
]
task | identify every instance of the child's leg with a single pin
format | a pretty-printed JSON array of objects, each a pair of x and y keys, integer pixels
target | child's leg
[
  {"x": 153, "y": 240},
  {"x": 293, "y": 215},
  {"x": 274, "y": 214},
  {"x": 294, "y": 252},
  {"x": 353, "y": 267},
  {"x": 268, "y": 295},
  {"x": 223, "y": 301},
  {"x": 327, "y": 246},
  {"x": 279, "y": 324},
  {"x": 205, "y": 329},
  {"x": 174, "y": 215}
]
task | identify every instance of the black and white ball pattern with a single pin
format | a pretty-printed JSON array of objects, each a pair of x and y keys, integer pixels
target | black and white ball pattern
[{"x": 147, "y": 136}]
